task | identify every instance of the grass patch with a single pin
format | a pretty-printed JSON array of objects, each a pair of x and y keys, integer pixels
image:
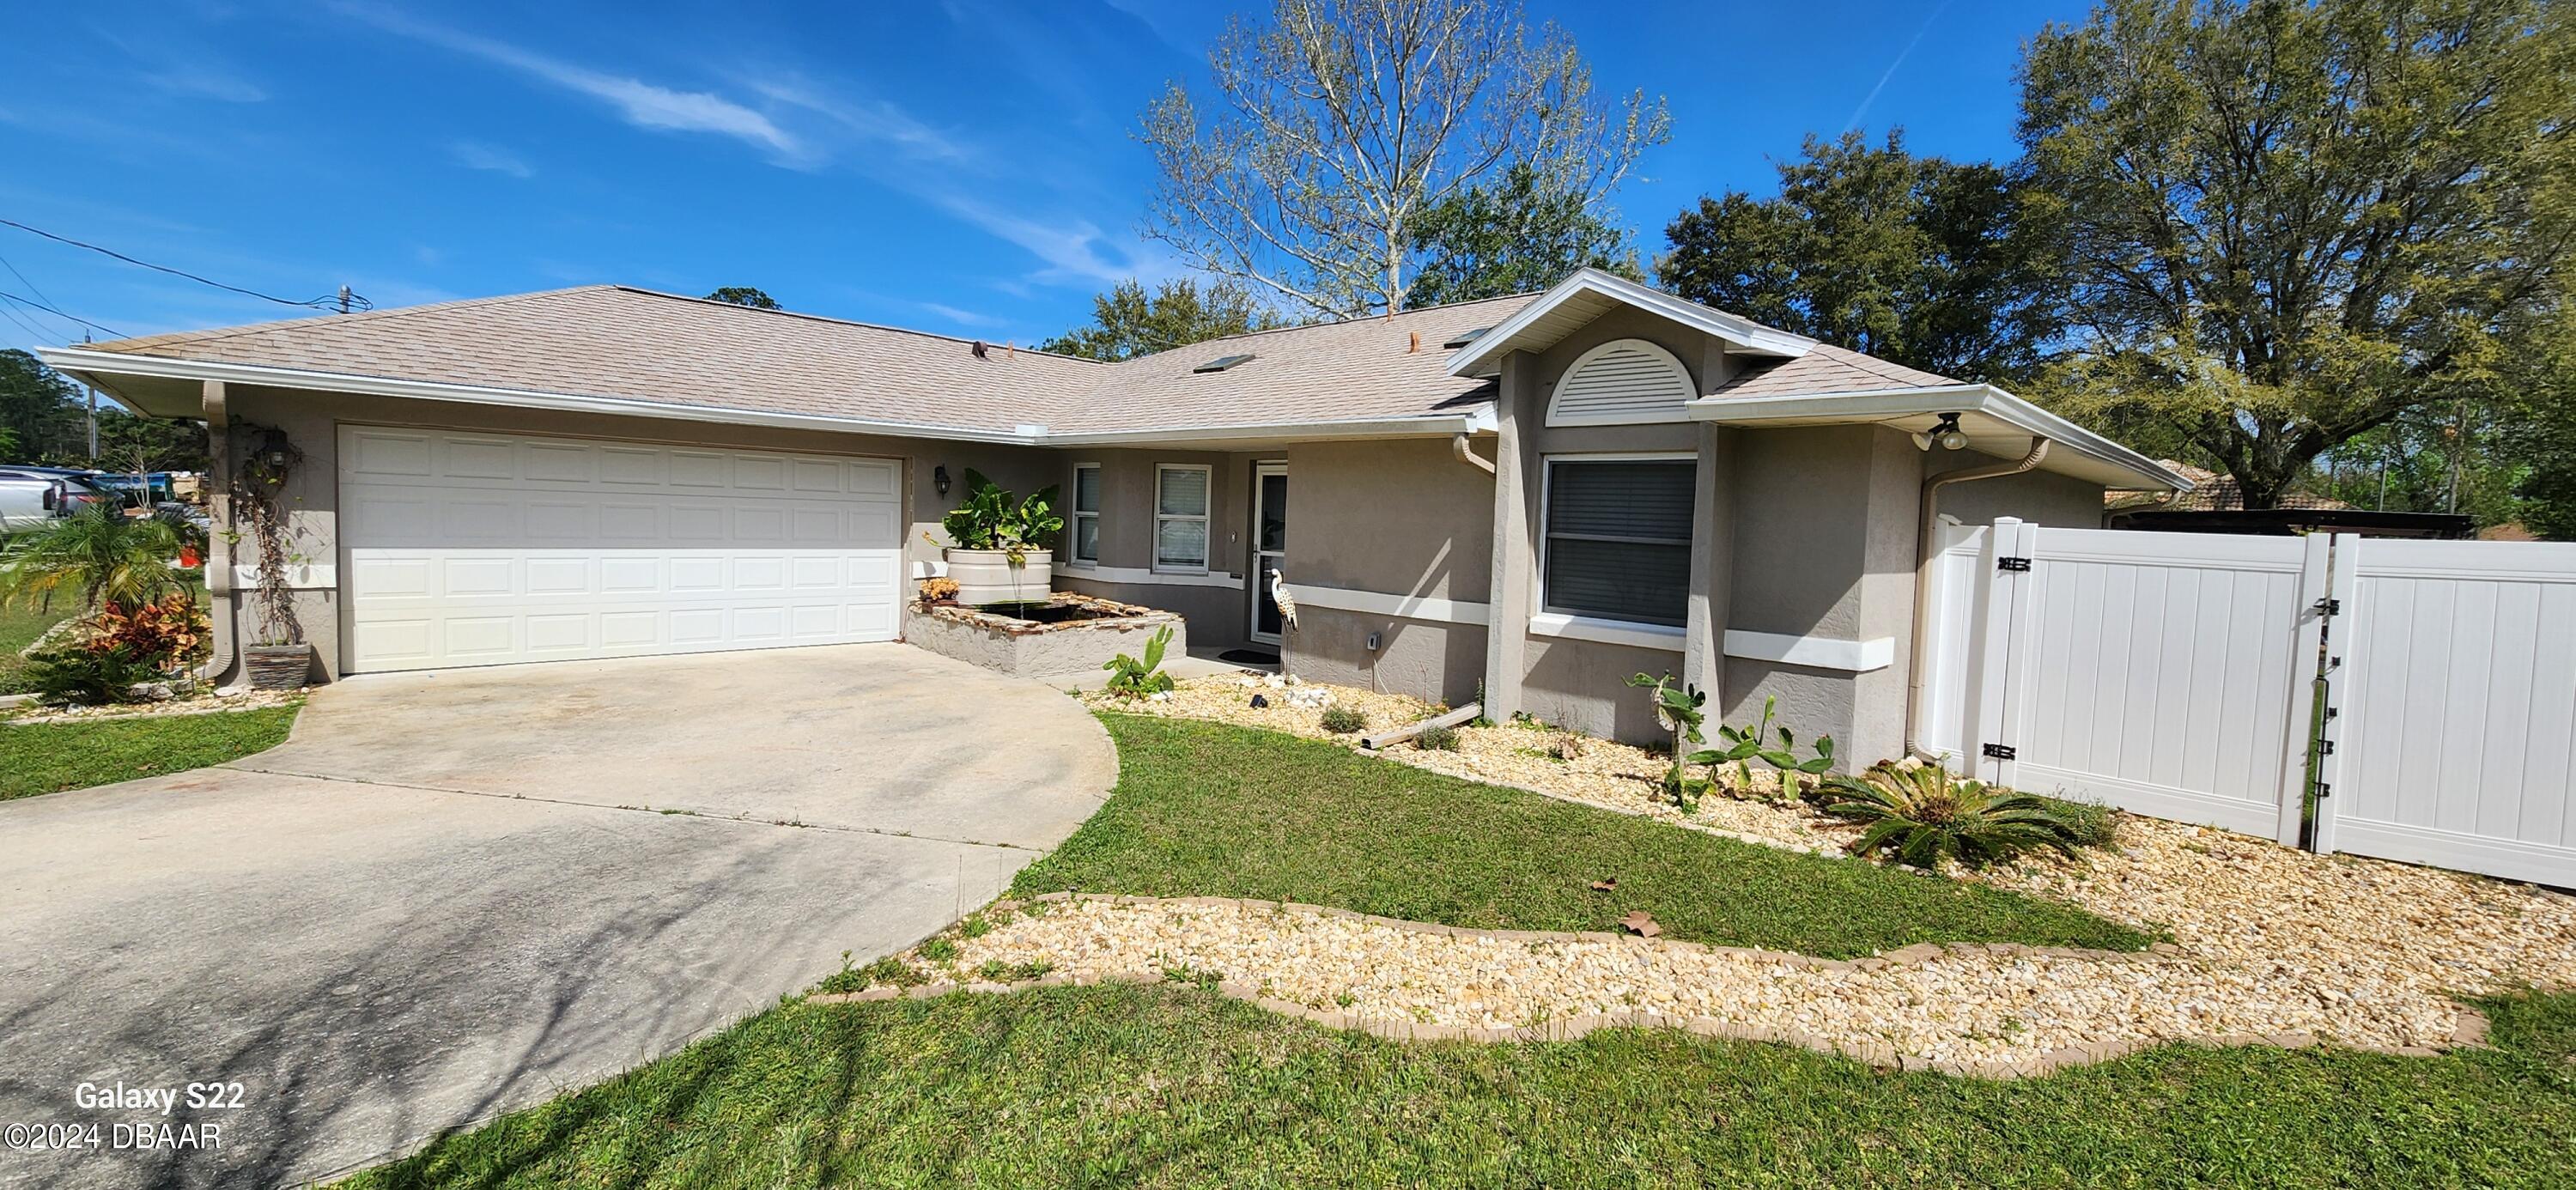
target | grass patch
[
  {"x": 19, "y": 628},
  {"x": 1170, "y": 1086},
  {"x": 52, "y": 757},
  {"x": 1206, "y": 809}
]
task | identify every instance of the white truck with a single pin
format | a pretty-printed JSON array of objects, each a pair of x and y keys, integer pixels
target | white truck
[{"x": 30, "y": 497}]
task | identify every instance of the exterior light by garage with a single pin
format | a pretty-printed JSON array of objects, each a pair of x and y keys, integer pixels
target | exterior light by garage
[
  {"x": 1947, "y": 434},
  {"x": 939, "y": 478}
]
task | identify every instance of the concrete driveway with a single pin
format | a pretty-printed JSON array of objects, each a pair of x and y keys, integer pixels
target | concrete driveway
[{"x": 451, "y": 895}]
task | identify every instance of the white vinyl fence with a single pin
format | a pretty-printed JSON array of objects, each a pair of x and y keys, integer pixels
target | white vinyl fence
[{"x": 2187, "y": 675}]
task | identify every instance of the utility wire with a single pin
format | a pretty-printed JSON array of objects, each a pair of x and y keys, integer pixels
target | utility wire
[
  {"x": 37, "y": 334},
  {"x": 59, "y": 314},
  {"x": 329, "y": 302},
  {"x": 32, "y": 287}
]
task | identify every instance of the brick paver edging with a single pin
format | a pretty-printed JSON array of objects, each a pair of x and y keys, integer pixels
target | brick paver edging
[{"x": 2471, "y": 1031}]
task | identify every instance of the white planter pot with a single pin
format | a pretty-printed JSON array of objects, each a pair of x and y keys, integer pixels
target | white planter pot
[{"x": 988, "y": 576}]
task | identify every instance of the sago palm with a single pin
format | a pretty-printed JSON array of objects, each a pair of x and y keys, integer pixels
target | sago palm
[
  {"x": 1924, "y": 814},
  {"x": 99, "y": 552}
]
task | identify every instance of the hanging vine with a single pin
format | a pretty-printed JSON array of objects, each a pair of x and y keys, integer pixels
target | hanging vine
[{"x": 260, "y": 507}]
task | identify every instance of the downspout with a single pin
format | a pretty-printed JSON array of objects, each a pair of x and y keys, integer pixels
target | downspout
[
  {"x": 1926, "y": 534},
  {"x": 219, "y": 546},
  {"x": 1458, "y": 445}
]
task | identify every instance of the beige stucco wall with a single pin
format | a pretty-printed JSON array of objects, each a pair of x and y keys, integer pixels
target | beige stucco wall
[
  {"x": 2044, "y": 497},
  {"x": 1217, "y": 614},
  {"x": 312, "y": 420},
  {"x": 1396, "y": 518}
]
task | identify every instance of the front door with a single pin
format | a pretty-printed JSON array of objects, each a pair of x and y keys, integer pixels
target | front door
[{"x": 1269, "y": 545}]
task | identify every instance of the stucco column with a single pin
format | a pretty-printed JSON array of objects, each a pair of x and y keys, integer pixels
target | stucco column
[
  {"x": 219, "y": 547},
  {"x": 1712, "y": 544},
  {"x": 1507, "y": 629}
]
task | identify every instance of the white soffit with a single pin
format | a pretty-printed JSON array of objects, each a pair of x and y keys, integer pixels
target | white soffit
[{"x": 1996, "y": 422}]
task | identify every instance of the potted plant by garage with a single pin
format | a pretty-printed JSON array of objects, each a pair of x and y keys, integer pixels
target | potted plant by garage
[
  {"x": 993, "y": 552},
  {"x": 279, "y": 659}
]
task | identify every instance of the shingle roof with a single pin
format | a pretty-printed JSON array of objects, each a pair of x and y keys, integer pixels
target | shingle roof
[
  {"x": 621, "y": 342},
  {"x": 613, "y": 341},
  {"x": 1826, "y": 368}
]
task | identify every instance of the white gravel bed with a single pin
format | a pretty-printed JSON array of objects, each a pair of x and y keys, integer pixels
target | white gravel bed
[
  {"x": 1971, "y": 1007},
  {"x": 1228, "y": 699},
  {"x": 204, "y": 702}
]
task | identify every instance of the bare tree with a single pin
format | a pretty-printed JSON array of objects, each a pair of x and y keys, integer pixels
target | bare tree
[{"x": 1338, "y": 123}]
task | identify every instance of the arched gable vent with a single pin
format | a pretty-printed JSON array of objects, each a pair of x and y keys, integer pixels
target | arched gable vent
[{"x": 1621, "y": 382}]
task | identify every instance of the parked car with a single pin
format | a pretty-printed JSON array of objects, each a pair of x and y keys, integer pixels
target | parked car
[{"x": 31, "y": 496}]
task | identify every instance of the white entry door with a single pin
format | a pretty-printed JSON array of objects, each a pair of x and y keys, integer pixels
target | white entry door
[
  {"x": 1269, "y": 546},
  {"x": 485, "y": 549}
]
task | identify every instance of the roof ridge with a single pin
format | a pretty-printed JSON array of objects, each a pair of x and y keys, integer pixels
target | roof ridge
[
  {"x": 213, "y": 334},
  {"x": 1325, "y": 322},
  {"x": 837, "y": 321}
]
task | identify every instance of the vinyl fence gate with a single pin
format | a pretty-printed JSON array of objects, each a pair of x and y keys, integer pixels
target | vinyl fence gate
[{"x": 2413, "y": 700}]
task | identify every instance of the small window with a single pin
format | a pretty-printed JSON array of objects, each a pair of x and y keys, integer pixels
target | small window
[
  {"x": 1463, "y": 338},
  {"x": 1619, "y": 538},
  {"x": 1086, "y": 514},
  {"x": 1181, "y": 517},
  {"x": 1222, "y": 362}
]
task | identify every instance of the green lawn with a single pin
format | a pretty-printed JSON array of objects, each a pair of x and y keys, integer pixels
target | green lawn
[
  {"x": 19, "y": 627},
  {"x": 1172, "y": 1086},
  {"x": 51, "y": 757},
  {"x": 1205, "y": 809}
]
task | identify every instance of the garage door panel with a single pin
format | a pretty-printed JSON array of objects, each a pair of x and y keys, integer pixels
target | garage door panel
[{"x": 470, "y": 549}]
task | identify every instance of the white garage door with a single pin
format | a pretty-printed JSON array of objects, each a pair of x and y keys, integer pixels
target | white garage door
[{"x": 483, "y": 549}]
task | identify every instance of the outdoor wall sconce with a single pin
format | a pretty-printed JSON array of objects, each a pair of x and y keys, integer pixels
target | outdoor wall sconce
[
  {"x": 939, "y": 478},
  {"x": 1947, "y": 434}
]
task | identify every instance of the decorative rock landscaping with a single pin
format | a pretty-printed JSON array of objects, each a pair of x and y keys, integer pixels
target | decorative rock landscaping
[{"x": 2270, "y": 942}]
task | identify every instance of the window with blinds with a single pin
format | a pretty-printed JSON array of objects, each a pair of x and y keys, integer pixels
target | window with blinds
[
  {"x": 1181, "y": 517},
  {"x": 1086, "y": 513},
  {"x": 1618, "y": 538}
]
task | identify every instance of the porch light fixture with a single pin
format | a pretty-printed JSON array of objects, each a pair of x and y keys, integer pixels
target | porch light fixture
[
  {"x": 939, "y": 478},
  {"x": 1947, "y": 434}
]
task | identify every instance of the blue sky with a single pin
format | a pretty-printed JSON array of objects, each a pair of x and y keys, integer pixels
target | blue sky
[{"x": 964, "y": 167}]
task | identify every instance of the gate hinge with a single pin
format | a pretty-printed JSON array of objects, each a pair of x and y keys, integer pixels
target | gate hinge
[
  {"x": 2001, "y": 752},
  {"x": 2324, "y": 791},
  {"x": 2016, "y": 565},
  {"x": 2329, "y": 607},
  {"x": 2325, "y": 747}
]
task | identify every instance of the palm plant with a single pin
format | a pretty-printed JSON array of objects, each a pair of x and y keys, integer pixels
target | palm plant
[
  {"x": 1924, "y": 814},
  {"x": 106, "y": 556}
]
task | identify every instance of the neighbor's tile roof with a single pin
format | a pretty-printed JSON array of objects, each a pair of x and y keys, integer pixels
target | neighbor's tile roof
[
  {"x": 2210, "y": 492},
  {"x": 620, "y": 342},
  {"x": 612, "y": 341}
]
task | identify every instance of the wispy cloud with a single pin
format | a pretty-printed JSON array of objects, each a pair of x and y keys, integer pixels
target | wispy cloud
[
  {"x": 477, "y": 155},
  {"x": 958, "y": 316},
  {"x": 873, "y": 121},
  {"x": 197, "y": 82},
  {"x": 1890, "y": 73},
  {"x": 643, "y": 104}
]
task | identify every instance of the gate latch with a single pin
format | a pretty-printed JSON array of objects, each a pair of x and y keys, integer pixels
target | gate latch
[
  {"x": 2015, "y": 565},
  {"x": 2329, "y": 607},
  {"x": 2001, "y": 752}
]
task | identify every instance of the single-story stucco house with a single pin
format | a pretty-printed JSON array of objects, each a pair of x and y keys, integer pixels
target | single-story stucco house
[{"x": 1525, "y": 499}]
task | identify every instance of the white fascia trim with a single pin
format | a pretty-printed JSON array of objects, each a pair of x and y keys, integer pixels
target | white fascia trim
[
  {"x": 1380, "y": 603},
  {"x": 77, "y": 360},
  {"x": 1155, "y": 578},
  {"x": 1888, "y": 404},
  {"x": 83, "y": 361},
  {"x": 1477, "y": 358},
  {"x": 1812, "y": 652},
  {"x": 1373, "y": 427},
  {"x": 1608, "y": 632}
]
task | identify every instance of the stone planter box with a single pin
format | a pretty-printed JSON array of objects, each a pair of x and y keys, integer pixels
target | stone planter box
[
  {"x": 279, "y": 667},
  {"x": 1092, "y": 631},
  {"x": 987, "y": 576}
]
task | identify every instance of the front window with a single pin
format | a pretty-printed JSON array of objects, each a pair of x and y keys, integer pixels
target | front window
[
  {"x": 1619, "y": 538},
  {"x": 1086, "y": 513},
  {"x": 1180, "y": 517}
]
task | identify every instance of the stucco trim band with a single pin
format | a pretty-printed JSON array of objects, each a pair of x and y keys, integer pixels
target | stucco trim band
[
  {"x": 1608, "y": 632},
  {"x": 1812, "y": 652},
  {"x": 1380, "y": 603},
  {"x": 1139, "y": 576}
]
